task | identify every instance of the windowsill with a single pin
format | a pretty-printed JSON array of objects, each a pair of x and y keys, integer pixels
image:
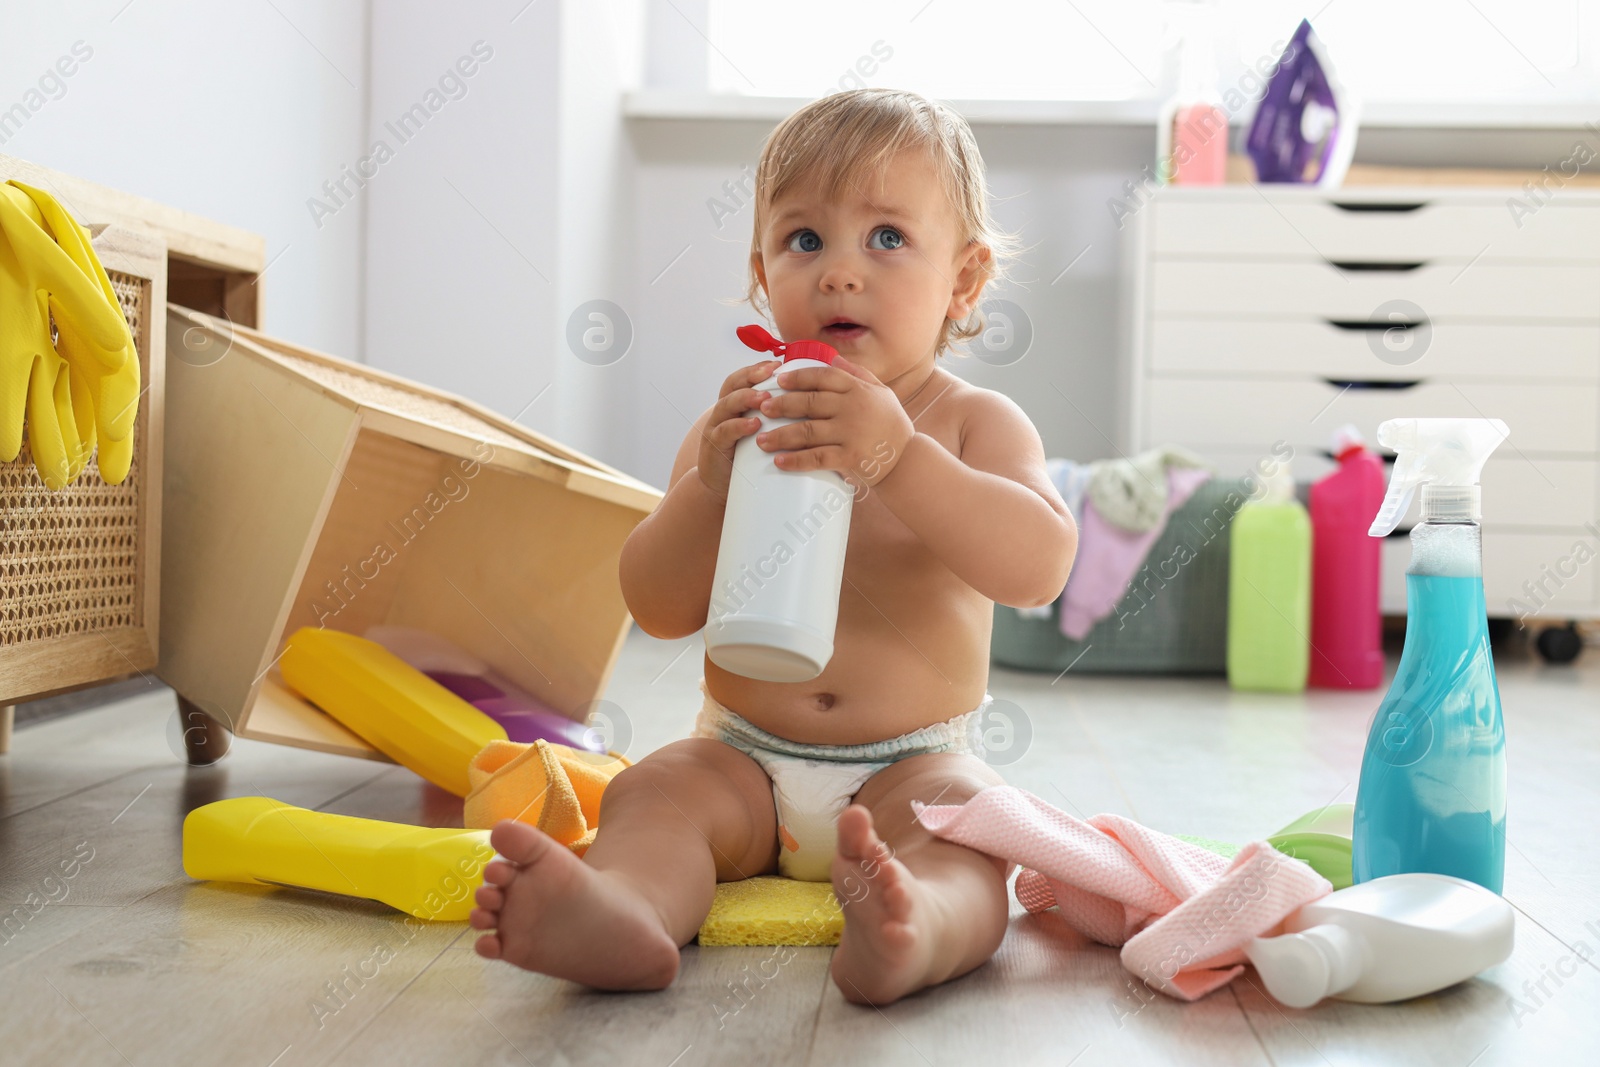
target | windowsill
[
  {"x": 668, "y": 104},
  {"x": 677, "y": 104}
]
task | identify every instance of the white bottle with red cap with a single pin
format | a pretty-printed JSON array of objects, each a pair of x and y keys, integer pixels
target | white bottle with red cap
[{"x": 775, "y": 594}]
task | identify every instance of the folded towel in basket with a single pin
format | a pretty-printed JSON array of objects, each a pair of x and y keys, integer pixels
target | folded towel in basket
[
  {"x": 1133, "y": 493},
  {"x": 1128, "y": 496},
  {"x": 1109, "y": 556}
]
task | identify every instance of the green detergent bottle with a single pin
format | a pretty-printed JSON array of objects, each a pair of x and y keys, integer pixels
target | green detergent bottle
[{"x": 1269, "y": 590}]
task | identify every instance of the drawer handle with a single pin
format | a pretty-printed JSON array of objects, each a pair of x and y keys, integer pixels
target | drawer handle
[
  {"x": 1374, "y": 266},
  {"x": 1374, "y": 205},
  {"x": 1327, "y": 454},
  {"x": 1370, "y": 326},
  {"x": 1372, "y": 383}
]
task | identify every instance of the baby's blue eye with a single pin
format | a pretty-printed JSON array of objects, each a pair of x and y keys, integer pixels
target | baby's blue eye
[
  {"x": 893, "y": 238},
  {"x": 808, "y": 236}
]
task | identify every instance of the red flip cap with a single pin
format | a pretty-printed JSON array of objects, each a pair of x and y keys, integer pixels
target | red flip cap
[{"x": 759, "y": 339}]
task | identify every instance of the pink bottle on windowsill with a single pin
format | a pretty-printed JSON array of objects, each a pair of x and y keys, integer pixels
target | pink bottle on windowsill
[
  {"x": 1192, "y": 127},
  {"x": 1346, "y": 623},
  {"x": 1199, "y": 145}
]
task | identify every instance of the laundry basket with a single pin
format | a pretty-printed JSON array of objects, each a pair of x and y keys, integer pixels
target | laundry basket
[{"x": 1173, "y": 619}]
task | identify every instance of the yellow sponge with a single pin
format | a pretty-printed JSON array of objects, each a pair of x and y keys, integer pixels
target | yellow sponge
[{"x": 770, "y": 910}]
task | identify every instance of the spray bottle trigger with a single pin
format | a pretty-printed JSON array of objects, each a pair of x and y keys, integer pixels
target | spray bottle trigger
[{"x": 1394, "y": 509}]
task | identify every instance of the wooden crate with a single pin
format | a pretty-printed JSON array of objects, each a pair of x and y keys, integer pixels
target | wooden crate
[
  {"x": 80, "y": 568},
  {"x": 303, "y": 489}
]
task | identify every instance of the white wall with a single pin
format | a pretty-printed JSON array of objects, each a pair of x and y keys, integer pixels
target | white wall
[
  {"x": 235, "y": 112},
  {"x": 461, "y": 233},
  {"x": 507, "y": 209},
  {"x": 601, "y": 60}
]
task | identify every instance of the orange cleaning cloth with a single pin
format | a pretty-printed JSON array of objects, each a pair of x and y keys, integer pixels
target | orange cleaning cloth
[{"x": 554, "y": 787}]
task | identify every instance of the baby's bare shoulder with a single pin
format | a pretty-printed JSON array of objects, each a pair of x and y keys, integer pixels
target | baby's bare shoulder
[
  {"x": 997, "y": 436},
  {"x": 991, "y": 424}
]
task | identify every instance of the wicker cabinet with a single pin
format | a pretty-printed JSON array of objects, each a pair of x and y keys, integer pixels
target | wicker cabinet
[{"x": 80, "y": 568}]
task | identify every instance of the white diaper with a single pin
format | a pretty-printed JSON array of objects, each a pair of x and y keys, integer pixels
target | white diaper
[{"x": 812, "y": 784}]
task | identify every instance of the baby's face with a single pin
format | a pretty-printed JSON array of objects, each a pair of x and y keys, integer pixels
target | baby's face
[{"x": 873, "y": 273}]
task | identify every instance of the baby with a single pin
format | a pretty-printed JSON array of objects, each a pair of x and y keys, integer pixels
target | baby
[{"x": 872, "y": 234}]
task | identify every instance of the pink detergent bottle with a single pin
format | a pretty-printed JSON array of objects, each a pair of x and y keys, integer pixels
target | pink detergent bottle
[{"x": 1346, "y": 626}]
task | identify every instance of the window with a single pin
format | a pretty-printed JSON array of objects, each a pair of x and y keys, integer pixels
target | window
[{"x": 1462, "y": 51}]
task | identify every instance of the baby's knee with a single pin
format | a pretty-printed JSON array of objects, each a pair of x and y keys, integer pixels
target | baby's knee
[
  {"x": 933, "y": 778},
  {"x": 656, "y": 771},
  {"x": 682, "y": 767}
]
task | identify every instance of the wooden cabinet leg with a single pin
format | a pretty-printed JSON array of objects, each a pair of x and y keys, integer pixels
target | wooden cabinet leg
[
  {"x": 8, "y": 716},
  {"x": 205, "y": 740}
]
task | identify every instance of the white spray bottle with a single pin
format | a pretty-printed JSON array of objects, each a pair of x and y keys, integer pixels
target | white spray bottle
[{"x": 775, "y": 592}]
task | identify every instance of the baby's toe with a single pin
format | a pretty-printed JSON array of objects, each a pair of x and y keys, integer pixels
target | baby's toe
[
  {"x": 898, "y": 936},
  {"x": 856, "y": 839},
  {"x": 490, "y": 897},
  {"x": 516, "y": 841},
  {"x": 896, "y": 896},
  {"x": 499, "y": 872},
  {"x": 488, "y": 946}
]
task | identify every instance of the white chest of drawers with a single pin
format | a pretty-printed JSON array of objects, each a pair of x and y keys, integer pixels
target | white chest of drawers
[{"x": 1259, "y": 314}]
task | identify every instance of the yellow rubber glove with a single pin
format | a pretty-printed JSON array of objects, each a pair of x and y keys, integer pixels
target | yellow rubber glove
[
  {"x": 34, "y": 379},
  {"x": 98, "y": 348}
]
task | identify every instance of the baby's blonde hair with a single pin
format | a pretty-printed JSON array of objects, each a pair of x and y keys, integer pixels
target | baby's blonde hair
[{"x": 845, "y": 136}]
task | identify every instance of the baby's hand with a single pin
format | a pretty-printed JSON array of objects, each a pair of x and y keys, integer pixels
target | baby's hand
[
  {"x": 726, "y": 424},
  {"x": 853, "y": 423}
]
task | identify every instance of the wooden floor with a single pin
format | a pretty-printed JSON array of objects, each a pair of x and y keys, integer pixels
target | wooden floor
[{"x": 129, "y": 962}]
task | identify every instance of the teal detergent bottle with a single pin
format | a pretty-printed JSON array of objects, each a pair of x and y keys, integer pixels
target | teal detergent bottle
[{"x": 1432, "y": 794}]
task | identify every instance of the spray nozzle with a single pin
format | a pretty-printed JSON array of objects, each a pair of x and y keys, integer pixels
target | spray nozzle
[{"x": 1445, "y": 457}]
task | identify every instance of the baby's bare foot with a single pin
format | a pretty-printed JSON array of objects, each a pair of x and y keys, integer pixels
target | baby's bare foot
[
  {"x": 890, "y": 918},
  {"x": 551, "y": 913}
]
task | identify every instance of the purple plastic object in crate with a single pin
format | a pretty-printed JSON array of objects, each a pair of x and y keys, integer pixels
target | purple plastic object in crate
[
  {"x": 469, "y": 687},
  {"x": 527, "y": 726},
  {"x": 524, "y": 719}
]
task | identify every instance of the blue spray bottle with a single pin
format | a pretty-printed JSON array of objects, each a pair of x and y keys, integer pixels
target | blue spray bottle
[{"x": 1432, "y": 795}]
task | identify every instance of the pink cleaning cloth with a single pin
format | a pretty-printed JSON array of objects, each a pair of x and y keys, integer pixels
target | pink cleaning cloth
[
  {"x": 1181, "y": 913},
  {"x": 1109, "y": 556}
]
